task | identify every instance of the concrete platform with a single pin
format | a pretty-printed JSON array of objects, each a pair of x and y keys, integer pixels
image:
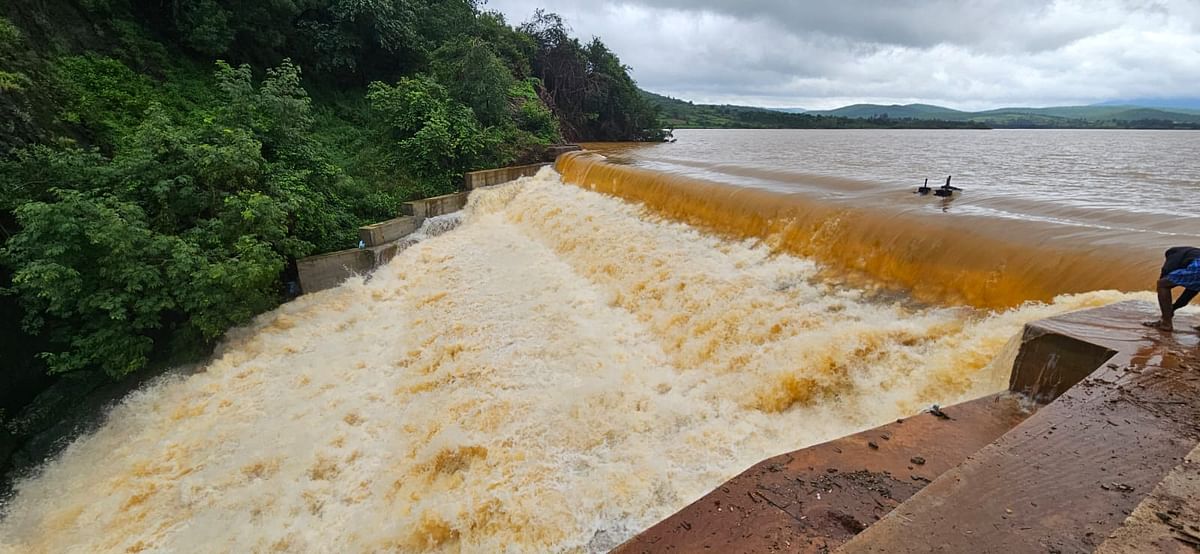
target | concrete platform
[
  {"x": 815, "y": 499},
  {"x": 1166, "y": 521},
  {"x": 1109, "y": 461},
  {"x": 1070, "y": 475}
]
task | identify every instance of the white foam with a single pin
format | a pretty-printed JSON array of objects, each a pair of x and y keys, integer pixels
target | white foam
[{"x": 556, "y": 373}]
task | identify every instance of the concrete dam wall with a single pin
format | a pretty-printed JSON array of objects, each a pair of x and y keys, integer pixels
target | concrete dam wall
[{"x": 382, "y": 240}]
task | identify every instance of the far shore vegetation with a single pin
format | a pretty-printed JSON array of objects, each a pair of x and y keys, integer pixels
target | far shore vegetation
[{"x": 680, "y": 114}]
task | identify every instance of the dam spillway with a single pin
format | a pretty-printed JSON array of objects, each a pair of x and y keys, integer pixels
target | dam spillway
[
  {"x": 983, "y": 262},
  {"x": 559, "y": 372}
]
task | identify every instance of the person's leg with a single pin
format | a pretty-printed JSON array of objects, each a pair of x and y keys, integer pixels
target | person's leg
[
  {"x": 1166, "y": 305},
  {"x": 1184, "y": 299}
]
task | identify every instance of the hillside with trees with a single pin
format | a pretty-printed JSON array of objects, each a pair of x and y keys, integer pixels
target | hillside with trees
[
  {"x": 1063, "y": 117},
  {"x": 164, "y": 163},
  {"x": 680, "y": 114}
]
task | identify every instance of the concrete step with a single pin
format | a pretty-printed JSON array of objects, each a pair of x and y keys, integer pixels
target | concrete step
[
  {"x": 1071, "y": 475},
  {"x": 816, "y": 498},
  {"x": 1112, "y": 453}
]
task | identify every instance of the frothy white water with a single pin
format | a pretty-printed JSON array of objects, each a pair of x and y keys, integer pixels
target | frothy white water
[
  {"x": 560, "y": 371},
  {"x": 433, "y": 227}
]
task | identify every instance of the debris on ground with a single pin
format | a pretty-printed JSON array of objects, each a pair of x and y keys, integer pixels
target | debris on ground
[{"x": 937, "y": 411}]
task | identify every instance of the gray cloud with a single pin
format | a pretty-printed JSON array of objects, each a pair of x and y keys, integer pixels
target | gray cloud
[{"x": 966, "y": 54}]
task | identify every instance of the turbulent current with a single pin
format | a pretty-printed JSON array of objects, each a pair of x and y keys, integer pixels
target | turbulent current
[{"x": 558, "y": 372}]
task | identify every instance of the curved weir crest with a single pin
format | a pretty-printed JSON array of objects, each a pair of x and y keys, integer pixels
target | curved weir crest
[
  {"x": 982, "y": 262},
  {"x": 561, "y": 370}
]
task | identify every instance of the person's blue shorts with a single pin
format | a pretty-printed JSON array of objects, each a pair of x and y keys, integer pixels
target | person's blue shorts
[{"x": 1188, "y": 277}]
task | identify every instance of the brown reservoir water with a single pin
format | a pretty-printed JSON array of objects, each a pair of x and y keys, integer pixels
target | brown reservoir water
[{"x": 1043, "y": 212}]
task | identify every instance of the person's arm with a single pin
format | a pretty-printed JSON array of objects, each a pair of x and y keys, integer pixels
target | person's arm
[
  {"x": 1168, "y": 266},
  {"x": 1186, "y": 297}
]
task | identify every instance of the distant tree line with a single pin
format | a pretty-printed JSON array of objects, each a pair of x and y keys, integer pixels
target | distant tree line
[
  {"x": 680, "y": 114},
  {"x": 1045, "y": 123}
]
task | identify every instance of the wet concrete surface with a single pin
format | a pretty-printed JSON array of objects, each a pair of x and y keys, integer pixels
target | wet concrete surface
[
  {"x": 814, "y": 499},
  {"x": 1070, "y": 475},
  {"x": 1109, "y": 461},
  {"x": 1166, "y": 521}
]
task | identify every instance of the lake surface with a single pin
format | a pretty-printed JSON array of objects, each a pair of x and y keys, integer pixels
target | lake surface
[{"x": 1141, "y": 188}]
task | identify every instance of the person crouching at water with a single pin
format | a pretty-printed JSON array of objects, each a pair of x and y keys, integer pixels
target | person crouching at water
[{"x": 1182, "y": 269}]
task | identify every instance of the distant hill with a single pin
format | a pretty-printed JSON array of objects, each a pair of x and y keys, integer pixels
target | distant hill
[
  {"x": 1171, "y": 104},
  {"x": 919, "y": 111},
  {"x": 1095, "y": 116},
  {"x": 680, "y": 114}
]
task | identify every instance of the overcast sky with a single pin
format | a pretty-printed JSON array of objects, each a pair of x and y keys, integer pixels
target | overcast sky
[{"x": 968, "y": 54}]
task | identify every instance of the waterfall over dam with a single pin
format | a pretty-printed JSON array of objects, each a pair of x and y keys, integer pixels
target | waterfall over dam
[
  {"x": 561, "y": 370},
  {"x": 983, "y": 262}
]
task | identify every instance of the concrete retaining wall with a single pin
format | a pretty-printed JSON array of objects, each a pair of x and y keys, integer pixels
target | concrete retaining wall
[
  {"x": 388, "y": 231},
  {"x": 476, "y": 179},
  {"x": 329, "y": 270},
  {"x": 490, "y": 177},
  {"x": 553, "y": 152},
  {"x": 438, "y": 205},
  {"x": 1051, "y": 362},
  {"x": 383, "y": 254}
]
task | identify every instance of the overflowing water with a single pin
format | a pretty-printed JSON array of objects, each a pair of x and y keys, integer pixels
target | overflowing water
[
  {"x": 1043, "y": 212},
  {"x": 1143, "y": 183},
  {"x": 561, "y": 370}
]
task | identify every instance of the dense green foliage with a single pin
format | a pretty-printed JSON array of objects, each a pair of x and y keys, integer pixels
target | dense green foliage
[
  {"x": 181, "y": 232},
  {"x": 163, "y": 164}
]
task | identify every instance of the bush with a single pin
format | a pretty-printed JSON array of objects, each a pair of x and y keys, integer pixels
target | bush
[
  {"x": 10, "y": 36},
  {"x": 182, "y": 232},
  {"x": 475, "y": 77},
  {"x": 532, "y": 115},
  {"x": 102, "y": 96},
  {"x": 437, "y": 139}
]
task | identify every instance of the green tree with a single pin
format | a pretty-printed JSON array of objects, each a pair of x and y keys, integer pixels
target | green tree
[
  {"x": 102, "y": 96},
  {"x": 205, "y": 25},
  {"x": 476, "y": 77},
  {"x": 588, "y": 88},
  {"x": 616, "y": 106},
  {"x": 436, "y": 138},
  {"x": 83, "y": 277}
]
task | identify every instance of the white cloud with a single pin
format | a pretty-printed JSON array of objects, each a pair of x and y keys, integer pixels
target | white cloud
[{"x": 969, "y": 55}]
